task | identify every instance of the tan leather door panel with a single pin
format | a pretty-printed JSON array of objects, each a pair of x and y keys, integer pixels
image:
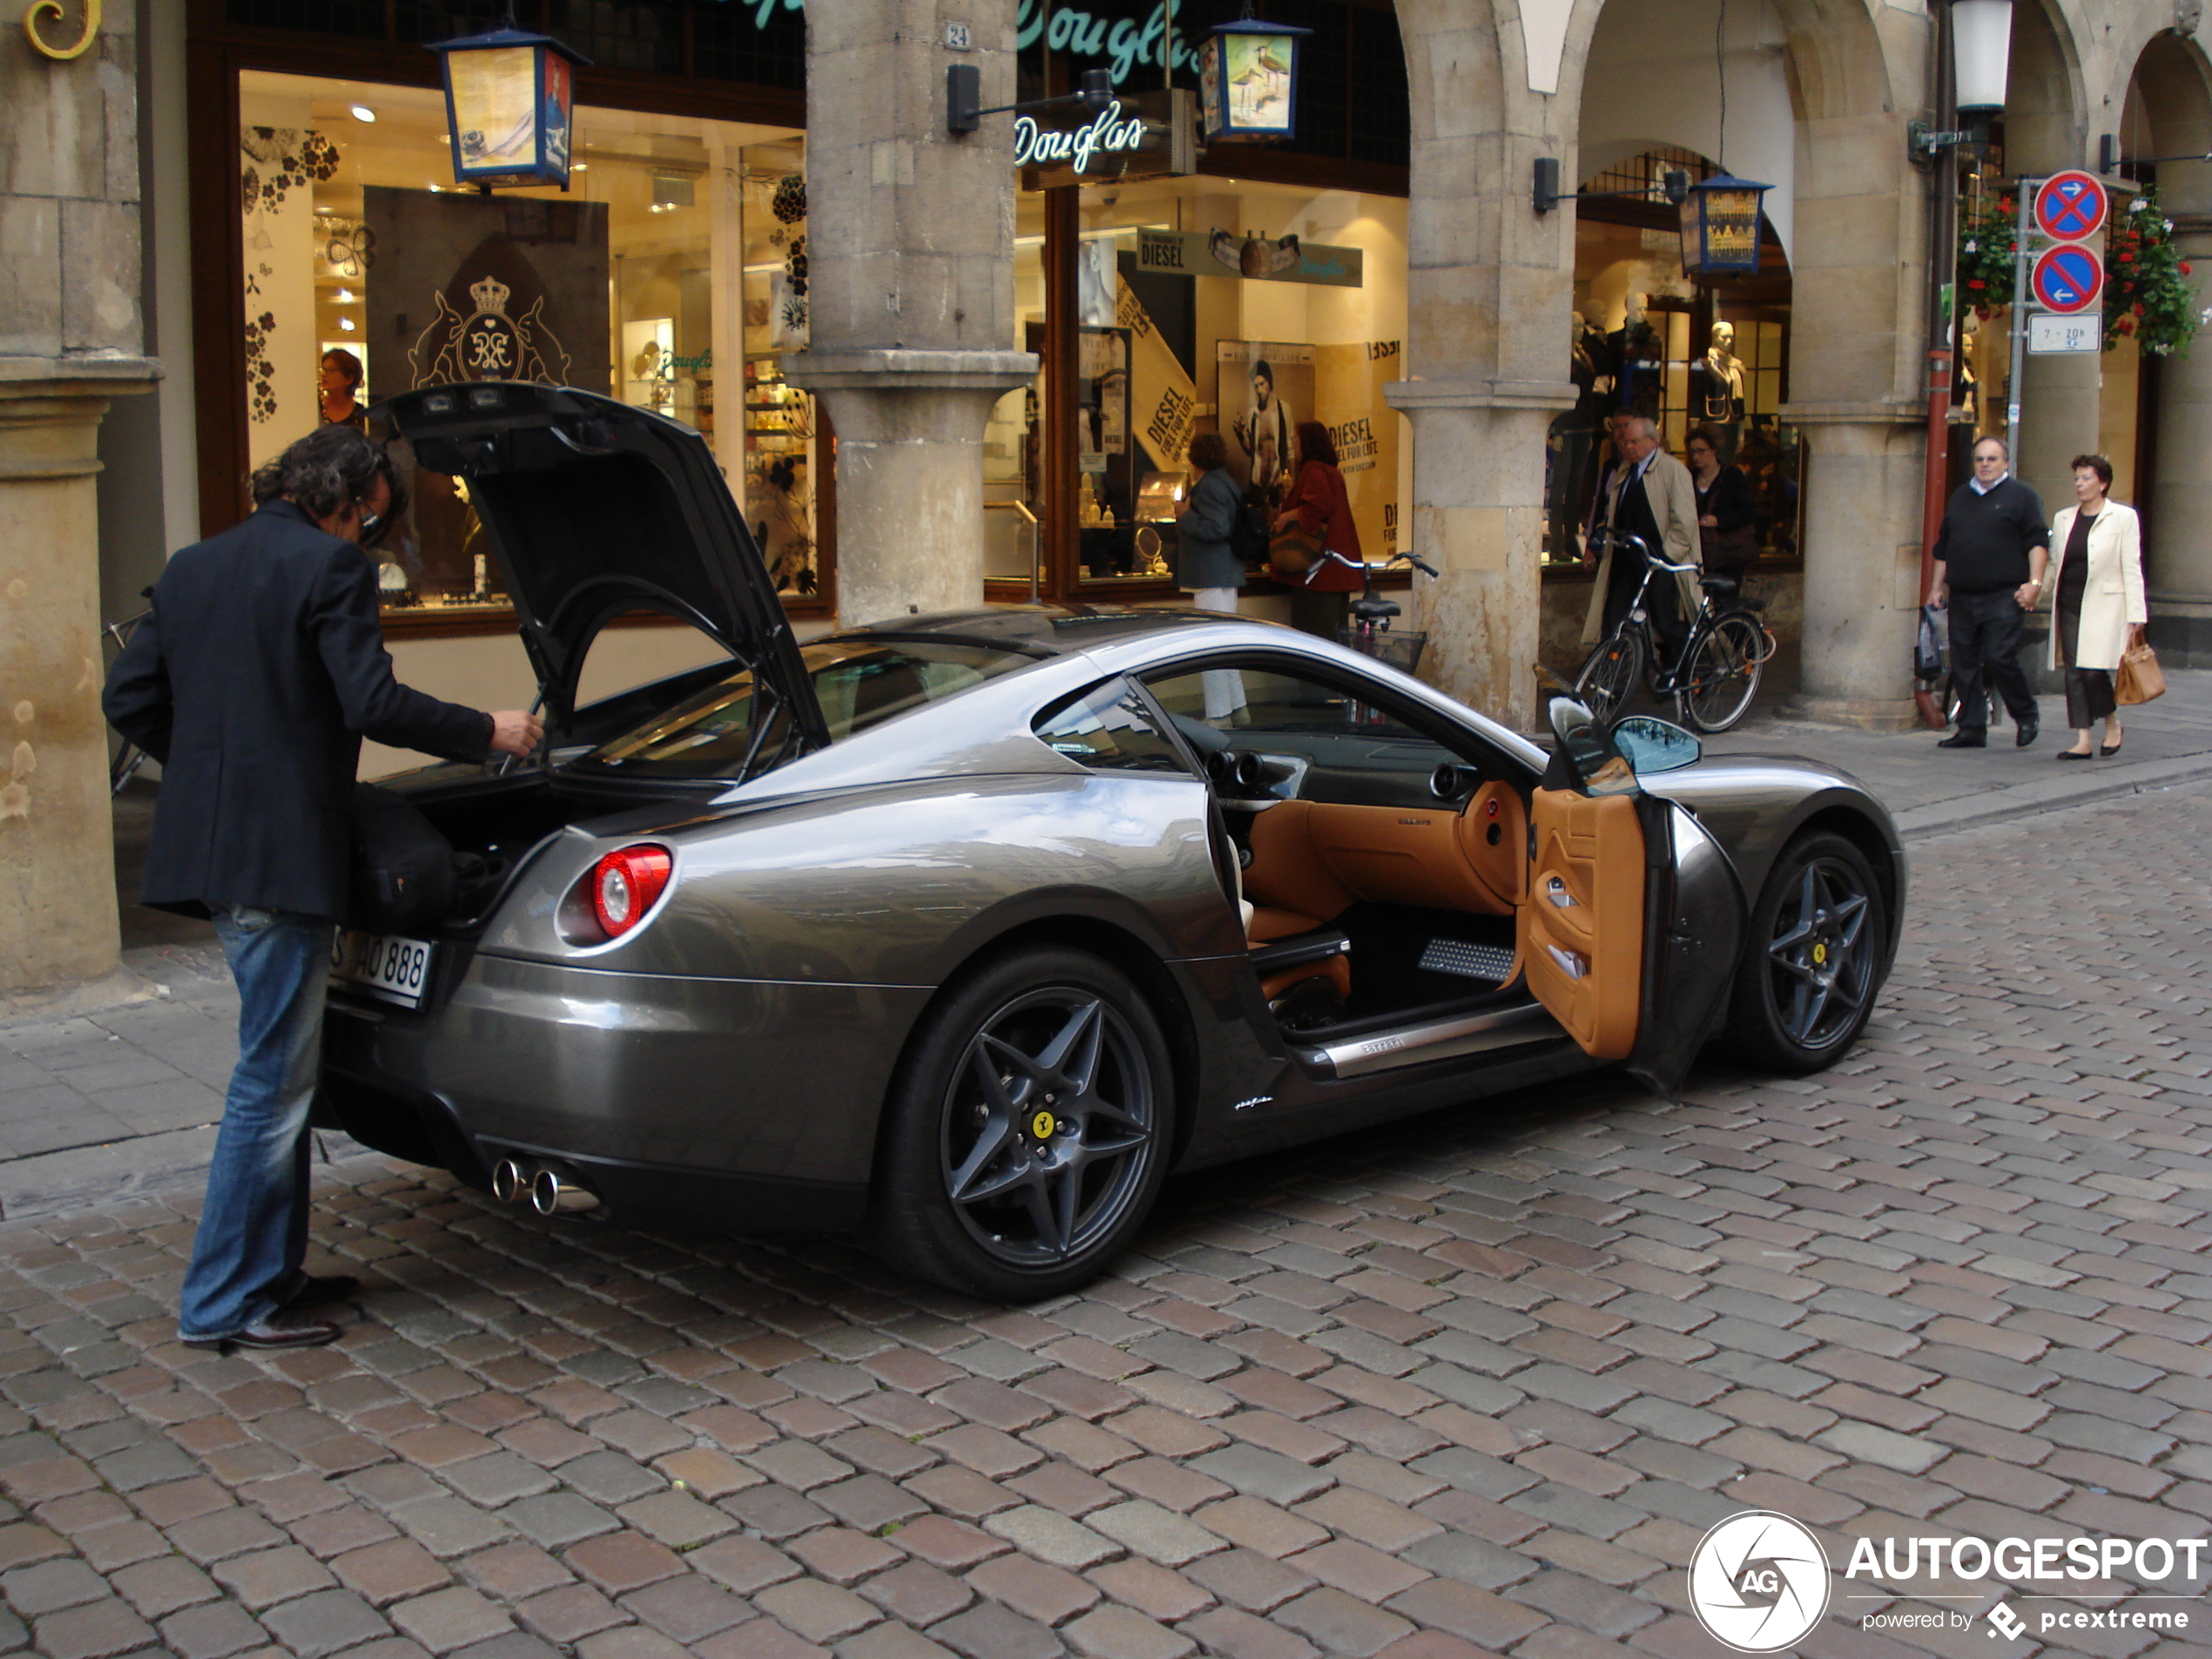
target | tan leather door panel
[{"x": 1581, "y": 928}]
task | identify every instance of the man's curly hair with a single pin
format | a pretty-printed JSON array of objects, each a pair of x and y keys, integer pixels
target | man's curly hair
[{"x": 327, "y": 471}]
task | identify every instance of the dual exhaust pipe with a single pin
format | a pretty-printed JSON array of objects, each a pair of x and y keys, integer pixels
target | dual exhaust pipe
[{"x": 547, "y": 1189}]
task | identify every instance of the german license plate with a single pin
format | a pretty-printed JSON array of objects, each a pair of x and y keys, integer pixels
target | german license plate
[{"x": 382, "y": 965}]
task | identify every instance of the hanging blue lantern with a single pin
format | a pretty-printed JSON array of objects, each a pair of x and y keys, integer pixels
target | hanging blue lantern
[
  {"x": 510, "y": 95},
  {"x": 1720, "y": 225},
  {"x": 1248, "y": 80}
]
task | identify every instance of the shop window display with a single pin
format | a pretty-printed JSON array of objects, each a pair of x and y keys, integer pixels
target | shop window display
[
  {"x": 1236, "y": 307},
  {"x": 1645, "y": 339},
  {"x": 674, "y": 265}
]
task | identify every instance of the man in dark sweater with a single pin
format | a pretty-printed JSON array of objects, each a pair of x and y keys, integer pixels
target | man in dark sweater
[{"x": 1990, "y": 554}]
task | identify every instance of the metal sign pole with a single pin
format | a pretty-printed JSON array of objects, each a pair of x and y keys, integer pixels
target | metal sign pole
[{"x": 2022, "y": 300}]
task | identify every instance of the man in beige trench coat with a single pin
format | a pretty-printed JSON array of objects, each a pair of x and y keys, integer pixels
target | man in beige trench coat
[{"x": 1657, "y": 499}]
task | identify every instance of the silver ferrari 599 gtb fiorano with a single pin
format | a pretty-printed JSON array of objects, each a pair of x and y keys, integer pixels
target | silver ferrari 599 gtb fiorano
[{"x": 963, "y": 932}]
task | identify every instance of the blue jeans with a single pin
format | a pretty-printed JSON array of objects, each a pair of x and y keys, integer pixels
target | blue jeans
[{"x": 253, "y": 1232}]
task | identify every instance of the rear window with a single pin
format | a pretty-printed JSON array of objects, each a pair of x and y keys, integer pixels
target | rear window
[{"x": 859, "y": 683}]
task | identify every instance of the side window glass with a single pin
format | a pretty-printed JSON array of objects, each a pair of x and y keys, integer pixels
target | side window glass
[
  {"x": 1341, "y": 748},
  {"x": 1110, "y": 728}
]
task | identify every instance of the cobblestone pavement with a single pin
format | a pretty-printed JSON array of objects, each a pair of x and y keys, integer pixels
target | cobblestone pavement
[{"x": 1477, "y": 1384}]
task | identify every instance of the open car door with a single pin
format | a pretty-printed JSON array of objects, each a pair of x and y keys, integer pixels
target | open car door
[{"x": 1635, "y": 918}]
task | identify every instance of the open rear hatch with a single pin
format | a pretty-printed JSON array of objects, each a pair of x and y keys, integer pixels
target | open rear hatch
[{"x": 594, "y": 508}]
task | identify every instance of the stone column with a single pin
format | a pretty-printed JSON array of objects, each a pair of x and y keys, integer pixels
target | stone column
[
  {"x": 2059, "y": 418},
  {"x": 1478, "y": 515},
  {"x": 2178, "y": 562},
  {"x": 56, "y": 848},
  {"x": 1862, "y": 563},
  {"x": 910, "y": 252},
  {"x": 70, "y": 340}
]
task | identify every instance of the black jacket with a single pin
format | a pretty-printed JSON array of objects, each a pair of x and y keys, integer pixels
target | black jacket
[
  {"x": 1983, "y": 544},
  {"x": 254, "y": 683}
]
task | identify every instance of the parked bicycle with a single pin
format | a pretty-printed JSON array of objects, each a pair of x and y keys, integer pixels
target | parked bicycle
[
  {"x": 123, "y": 765},
  {"x": 1369, "y": 633},
  {"x": 1717, "y": 675}
]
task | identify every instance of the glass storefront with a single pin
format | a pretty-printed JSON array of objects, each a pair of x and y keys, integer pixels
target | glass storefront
[
  {"x": 672, "y": 275},
  {"x": 1190, "y": 305}
]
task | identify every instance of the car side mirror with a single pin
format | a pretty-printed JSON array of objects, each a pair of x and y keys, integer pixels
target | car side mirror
[
  {"x": 1652, "y": 745},
  {"x": 1593, "y": 762}
]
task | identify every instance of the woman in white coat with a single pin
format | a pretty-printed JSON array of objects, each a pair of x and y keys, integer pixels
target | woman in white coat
[{"x": 2096, "y": 601}]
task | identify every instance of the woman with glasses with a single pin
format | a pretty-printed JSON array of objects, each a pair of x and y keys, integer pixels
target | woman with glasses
[{"x": 1726, "y": 533}]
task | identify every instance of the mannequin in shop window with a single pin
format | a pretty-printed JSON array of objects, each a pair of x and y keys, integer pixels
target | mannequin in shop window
[
  {"x": 341, "y": 382},
  {"x": 1266, "y": 435},
  {"x": 1634, "y": 347},
  {"x": 1574, "y": 439},
  {"x": 1716, "y": 389}
]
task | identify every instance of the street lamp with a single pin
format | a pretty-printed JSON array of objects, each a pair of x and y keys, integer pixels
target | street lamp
[
  {"x": 508, "y": 96},
  {"x": 1248, "y": 79},
  {"x": 1720, "y": 225}
]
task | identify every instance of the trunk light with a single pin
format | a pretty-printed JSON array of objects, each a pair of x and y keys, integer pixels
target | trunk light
[{"x": 624, "y": 884}]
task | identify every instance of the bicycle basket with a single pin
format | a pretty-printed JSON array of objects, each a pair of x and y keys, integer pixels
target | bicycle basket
[{"x": 1398, "y": 650}]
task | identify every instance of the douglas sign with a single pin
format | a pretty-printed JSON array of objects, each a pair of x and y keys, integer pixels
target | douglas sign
[{"x": 1111, "y": 133}]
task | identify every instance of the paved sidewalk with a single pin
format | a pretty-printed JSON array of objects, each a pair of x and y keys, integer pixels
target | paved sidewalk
[{"x": 116, "y": 1089}]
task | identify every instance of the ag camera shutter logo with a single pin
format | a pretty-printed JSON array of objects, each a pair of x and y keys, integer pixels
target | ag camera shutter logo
[{"x": 1758, "y": 1582}]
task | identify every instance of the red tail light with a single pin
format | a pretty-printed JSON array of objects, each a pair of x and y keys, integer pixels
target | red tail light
[{"x": 625, "y": 883}]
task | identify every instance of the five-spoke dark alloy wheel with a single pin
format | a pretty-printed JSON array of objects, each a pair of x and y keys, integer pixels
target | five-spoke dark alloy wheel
[
  {"x": 1048, "y": 1126},
  {"x": 1029, "y": 1130},
  {"x": 1814, "y": 959}
]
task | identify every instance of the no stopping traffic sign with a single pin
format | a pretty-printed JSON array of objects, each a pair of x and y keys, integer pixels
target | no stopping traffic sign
[
  {"x": 2068, "y": 278},
  {"x": 2070, "y": 206}
]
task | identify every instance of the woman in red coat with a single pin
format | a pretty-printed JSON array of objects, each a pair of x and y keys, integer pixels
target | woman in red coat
[{"x": 1318, "y": 505}]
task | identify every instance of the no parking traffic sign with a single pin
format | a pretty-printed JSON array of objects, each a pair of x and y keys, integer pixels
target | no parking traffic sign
[
  {"x": 2068, "y": 278},
  {"x": 2070, "y": 206}
]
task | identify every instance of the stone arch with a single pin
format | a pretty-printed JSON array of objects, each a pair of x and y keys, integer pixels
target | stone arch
[{"x": 1489, "y": 284}]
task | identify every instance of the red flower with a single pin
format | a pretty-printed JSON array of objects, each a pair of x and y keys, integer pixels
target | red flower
[
  {"x": 2138, "y": 311},
  {"x": 2123, "y": 326},
  {"x": 2185, "y": 268}
]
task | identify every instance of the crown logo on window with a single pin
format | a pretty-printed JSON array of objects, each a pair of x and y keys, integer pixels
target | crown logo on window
[{"x": 490, "y": 295}]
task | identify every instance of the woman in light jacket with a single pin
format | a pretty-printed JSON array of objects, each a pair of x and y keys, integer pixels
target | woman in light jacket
[{"x": 2096, "y": 601}]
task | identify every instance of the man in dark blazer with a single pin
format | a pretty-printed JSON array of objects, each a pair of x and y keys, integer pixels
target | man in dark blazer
[{"x": 253, "y": 680}]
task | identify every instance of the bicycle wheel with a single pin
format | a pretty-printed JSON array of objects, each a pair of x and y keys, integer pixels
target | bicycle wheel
[
  {"x": 1723, "y": 674},
  {"x": 1610, "y": 673}
]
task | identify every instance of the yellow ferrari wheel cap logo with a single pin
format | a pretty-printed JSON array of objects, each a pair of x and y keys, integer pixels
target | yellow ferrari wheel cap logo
[
  {"x": 1042, "y": 1126},
  {"x": 1819, "y": 955}
]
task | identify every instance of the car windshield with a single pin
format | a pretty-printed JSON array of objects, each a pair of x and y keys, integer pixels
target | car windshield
[{"x": 716, "y": 732}]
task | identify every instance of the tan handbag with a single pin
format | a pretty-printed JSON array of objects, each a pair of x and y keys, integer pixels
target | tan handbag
[
  {"x": 2138, "y": 678},
  {"x": 1291, "y": 553}
]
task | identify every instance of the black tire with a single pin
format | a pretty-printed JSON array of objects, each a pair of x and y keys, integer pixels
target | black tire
[
  {"x": 967, "y": 1193},
  {"x": 1813, "y": 957},
  {"x": 1723, "y": 674},
  {"x": 1610, "y": 674}
]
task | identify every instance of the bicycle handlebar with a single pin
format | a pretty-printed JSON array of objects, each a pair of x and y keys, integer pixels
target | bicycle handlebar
[
  {"x": 1331, "y": 555},
  {"x": 1623, "y": 538}
]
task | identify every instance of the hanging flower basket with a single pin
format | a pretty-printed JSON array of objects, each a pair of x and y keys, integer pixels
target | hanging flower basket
[
  {"x": 2148, "y": 298},
  {"x": 2147, "y": 293}
]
